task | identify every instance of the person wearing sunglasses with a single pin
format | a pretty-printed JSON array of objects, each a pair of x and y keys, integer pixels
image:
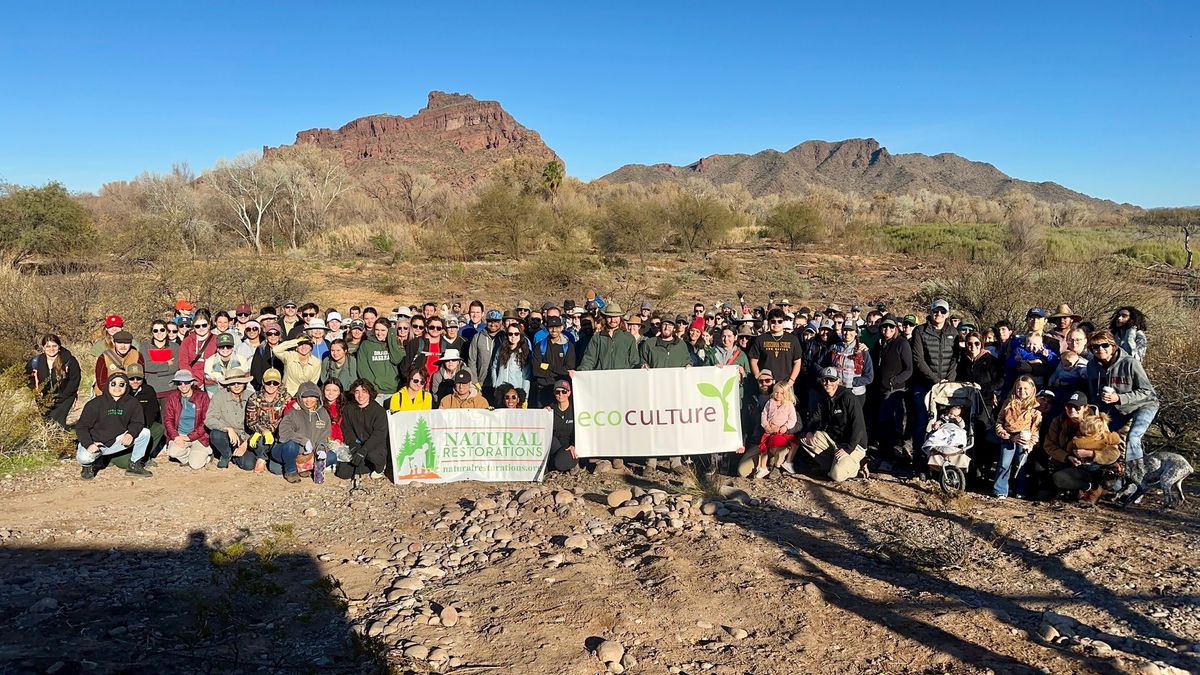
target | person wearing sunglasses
[
  {"x": 893, "y": 368},
  {"x": 110, "y": 424},
  {"x": 777, "y": 350},
  {"x": 264, "y": 357},
  {"x": 291, "y": 320},
  {"x": 241, "y": 316},
  {"x": 978, "y": 365},
  {"x": 173, "y": 333},
  {"x": 355, "y": 332},
  {"x": 1118, "y": 384},
  {"x": 379, "y": 358},
  {"x": 184, "y": 411},
  {"x": 148, "y": 398},
  {"x": 199, "y": 344},
  {"x": 448, "y": 364},
  {"x": 509, "y": 397},
  {"x": 414, "y": 395},
  {"x": 225, "y": 359},
  {"x": 935, "y": 359},
  {"x": 264, "y": 410},
  {"x": 483, "y": 346},
  {"x": 836, "y": 433},
  {"x": 307, "y": 312},
  {"x": 465, "y": 395},
  {"x": 562, "y": 438},
  {"x": 226, "y": 419},
  {"x": 424, "y": 351},
  {"x": 511, "y": 363},
  {"x": 251, "y": 339}
]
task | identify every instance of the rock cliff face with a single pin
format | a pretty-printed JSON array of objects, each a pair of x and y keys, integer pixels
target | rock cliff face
[
  {"x": 455, "y": 138},
  {"x": 859, "y": 165}
]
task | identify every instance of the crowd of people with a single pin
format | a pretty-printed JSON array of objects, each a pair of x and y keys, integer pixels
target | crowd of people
[{"x": 299, "y": 391}]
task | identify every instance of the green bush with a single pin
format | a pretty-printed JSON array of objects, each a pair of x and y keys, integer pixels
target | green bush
[
  {"x": 973, "y": 242},
  {"x": 27, "y": 440},
  {"x": 1155, "y": 252}
]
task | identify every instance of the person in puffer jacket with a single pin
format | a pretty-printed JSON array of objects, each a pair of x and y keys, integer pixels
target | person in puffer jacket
[
  {"x": 935, "y": 358},
  {"x": 303, "y": 432}
]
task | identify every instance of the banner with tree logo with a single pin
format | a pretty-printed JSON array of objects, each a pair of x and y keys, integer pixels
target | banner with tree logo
[
  {"x": 440, "y": 446},
  {"x": 657, "y": 412}
]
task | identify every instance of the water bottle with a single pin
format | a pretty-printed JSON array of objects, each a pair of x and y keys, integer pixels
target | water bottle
[{"x": 319, "y": 467}]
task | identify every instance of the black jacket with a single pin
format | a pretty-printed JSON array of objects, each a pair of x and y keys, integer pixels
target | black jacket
[
  {"x": 894, "y": 365},
  {"x": 841, "y": 417},
  {"x": 934, "y": 353},
  {"x": 55, "y": 390},
  {"x": 148, "y": 399},
  {"x": 986, "y": 371},
  {"x": 564, "y": 426},
  {"x": 264, "y": 359},
  {"x": 365, "y": 430},
  {"x": 103, "y": 419},
  {"x": 550, "y": 362}
]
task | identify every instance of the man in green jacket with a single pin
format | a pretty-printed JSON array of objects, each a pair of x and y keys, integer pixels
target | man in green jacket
[
  {"x": 612, "y": 348},
  {"x": 378, "y": 359},
  {"x": 666, "y": 350}
]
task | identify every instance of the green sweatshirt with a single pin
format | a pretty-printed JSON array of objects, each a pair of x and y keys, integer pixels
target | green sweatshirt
[
  {"x": 659, "y": 353},
  {"x": 377, "y": 362},
  {"x": 611, "y": 353}
]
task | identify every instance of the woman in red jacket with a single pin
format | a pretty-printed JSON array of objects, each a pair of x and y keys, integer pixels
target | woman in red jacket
[{"x": 199, "y": 344}]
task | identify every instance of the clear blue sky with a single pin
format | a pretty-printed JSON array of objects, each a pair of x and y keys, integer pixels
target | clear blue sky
[{"x": 1103, "y": 97}]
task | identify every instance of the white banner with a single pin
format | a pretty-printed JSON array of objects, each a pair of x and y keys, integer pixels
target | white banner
[
  {"x": 663, "y": 412},
  {"x": 440, "y": 446}
]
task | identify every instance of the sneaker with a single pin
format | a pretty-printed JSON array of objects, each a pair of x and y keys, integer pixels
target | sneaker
[
  {"x": 88, "y": 472},
  {"x": 138, "y": 469},
  {"x": 305, "y": 474},
  {"x": 787, "y": 467},
  {"x": 1001, "y": 497},
  {"x": 762, "y": 472},
  {"x": 292, "y": 477},
  {"x": 223, "y": 463}
]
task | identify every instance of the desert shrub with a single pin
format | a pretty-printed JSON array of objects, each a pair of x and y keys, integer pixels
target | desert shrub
[
  {"x": 35, "y": 304},
  {"x": 1155, "y": 252},
  {"x": 26, "y": 439},
  {"x": 699, "y": 220},
  {"x": 363, "y": 240},
  {"x": 42, "y": 221},
  {"x": 625, "y": 225},
  {"x": 973, "y": 242},
  {"x": 795, "y": 222},
  {"x": 1173, "y": 364},
  {"x": 570, "y": 275}
]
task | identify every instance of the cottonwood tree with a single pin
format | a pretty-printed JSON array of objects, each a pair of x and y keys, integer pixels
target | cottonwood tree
[
  {"x": 313, "y": 182},
  {"x": 249, "y": 189},
  {"x": 174, "y": 201}
]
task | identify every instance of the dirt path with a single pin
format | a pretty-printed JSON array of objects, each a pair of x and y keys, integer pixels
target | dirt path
[{"x": 224, "y": 571}]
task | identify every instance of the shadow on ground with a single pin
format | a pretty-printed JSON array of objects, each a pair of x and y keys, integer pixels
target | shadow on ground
[{"x": 238, "y": 608}]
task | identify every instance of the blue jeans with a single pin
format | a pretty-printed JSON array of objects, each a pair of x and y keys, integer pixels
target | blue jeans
[
  {"x": 141, "y": 444},
  {"x": 919, "y": 416},
  {"x": 1010, "y": 454},
  {"x": 1139, "y": 421}
]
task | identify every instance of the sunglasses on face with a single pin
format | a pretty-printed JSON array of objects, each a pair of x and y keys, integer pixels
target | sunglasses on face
[
  {"x": 252, "y": 328},
  {"x": 418, "y": 326},
  {"x": 272, "y": 333},
  {"x": 1102, "y": 345},
  {"x": 510, "y": 397},
  {"x": 561, "y": 391},
  {"x": 940, "y": 311},
  {"x": 199, "y": 325},
  {"x": 774, "y": 321},
  {"x": 514, "y": 335},
  {"x": 158, "y": 330},
  {"x": 243, "y": 313},
  {"x": 225, "y": 347},
  {"x": 434, "y": 328},
  {"x": 270, "y": 384},
  {"x": 974, "y": 343},
  {"x": 766, "y": 380},
  {"x": 655, "y": 323},
  {"x": 183, "y": 384},
  {"x": 309, "y": 315},
  {"x": 417, "y": 380},
  {"x": 137, "y": 379}
]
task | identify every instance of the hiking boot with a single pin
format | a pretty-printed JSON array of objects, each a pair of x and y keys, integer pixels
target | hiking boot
[
  {"x": 138, "y": 469},
  {"x": 305, "y": 474},
  {"x": 88, "y": 472},
  {"x": 223, "y": 463},
  {"x": 1089, "y": 498},
  {"x": 292, "y": 477}
]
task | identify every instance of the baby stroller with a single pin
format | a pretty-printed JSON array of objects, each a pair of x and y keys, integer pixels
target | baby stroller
[{"x": 951, "y": 462}]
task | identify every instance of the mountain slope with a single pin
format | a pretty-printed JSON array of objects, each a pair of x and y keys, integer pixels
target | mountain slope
[{"x": 856, "y": 165}]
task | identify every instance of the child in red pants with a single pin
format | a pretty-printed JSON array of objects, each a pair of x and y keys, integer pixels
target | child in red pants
[{"x": 778, "y": 419}]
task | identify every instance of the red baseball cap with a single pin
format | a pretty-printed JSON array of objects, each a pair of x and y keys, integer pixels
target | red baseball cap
[
  {"x": 243, "y": 308},
  {"x": 114, "y": 321}
]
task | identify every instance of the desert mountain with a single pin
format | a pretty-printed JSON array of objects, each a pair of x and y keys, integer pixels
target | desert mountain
[
  {"x": 454, "y": 138},
  {"x": 856, "y": 165}
]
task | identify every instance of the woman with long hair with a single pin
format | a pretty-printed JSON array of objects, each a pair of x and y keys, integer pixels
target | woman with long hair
[
  {"x": 510, "y": 365},
  {"x": 54, "y": 377},
  {"x": 162, "y": 358},
  {"x": 1128, "y": 326}
]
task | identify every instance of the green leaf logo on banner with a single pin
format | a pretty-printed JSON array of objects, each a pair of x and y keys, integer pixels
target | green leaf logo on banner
[{"x": 722, "y": 395}]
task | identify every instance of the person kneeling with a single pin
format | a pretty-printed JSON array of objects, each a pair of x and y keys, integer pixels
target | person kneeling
[
  {"x": 562, "y": 442},
  {"x": 365, "y": 431},
  {"x": 109, "y": 425},
  {"x": 836, "y": 436},
  {"x": 303, "y": 447}
]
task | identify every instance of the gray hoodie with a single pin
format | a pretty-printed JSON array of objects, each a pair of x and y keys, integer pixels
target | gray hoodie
[
  {"x": 1125, "y": 375},
  {"x": 302, "y": 426}
]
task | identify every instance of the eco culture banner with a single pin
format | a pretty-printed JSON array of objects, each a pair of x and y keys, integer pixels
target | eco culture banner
[
  {"x": 663, "y": 412},
  {"x": 440, "y": 446}
]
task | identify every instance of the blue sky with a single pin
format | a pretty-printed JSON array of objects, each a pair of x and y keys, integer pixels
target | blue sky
[{"x": 1102, "y": 97}]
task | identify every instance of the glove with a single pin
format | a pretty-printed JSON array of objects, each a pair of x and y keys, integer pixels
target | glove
[
  {"x": 254, "y": 439},
  {"x": 357, "y": 459},
  {"x": 269, "y": 437}
]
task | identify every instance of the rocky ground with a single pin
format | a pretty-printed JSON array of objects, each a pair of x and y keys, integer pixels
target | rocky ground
[{"x": 225, "y": 571}]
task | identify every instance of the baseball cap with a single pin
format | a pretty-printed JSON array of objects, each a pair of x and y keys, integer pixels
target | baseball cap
[
  {"x": 1046, "y": 393},
  {"x": 911, "y": 319},
  {"x": 225, "y": 340},
  {"x": 357, "y": 323},
  {"x": 452, "y": 322},
  {"x": 765, "y": 373},
  {"x": 135, "y": 370},
  {"x": 888, "y": 320},
  {"x": 940, "y": 303},
  {"x": 524, "y": 304},
  {"x": 552, "y": 321},
  {"x": 1077, "y": 399},
  {"x": 563, "y": 384},
  {"x": 243, "y": 308},
  {"x": 114, "y": 321},
  {"x": 830, "y": 373},
  {"x": 494, "y": 315},
  {"x": 462, "y": 377},
  {"x": 333, "y": 316},
  {"x": 645, "y": 305},
  {"x": 1036, "y": 311},
  {"x": 272, "y": 375}
]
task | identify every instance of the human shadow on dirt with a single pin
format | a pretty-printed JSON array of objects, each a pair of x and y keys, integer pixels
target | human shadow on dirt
[
  {"x": 812, "y": 542},
  {"x": 201, "y": 609}
]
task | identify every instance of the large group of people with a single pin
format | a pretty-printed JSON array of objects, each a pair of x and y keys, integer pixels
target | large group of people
[{"x": 299, "y": 390}]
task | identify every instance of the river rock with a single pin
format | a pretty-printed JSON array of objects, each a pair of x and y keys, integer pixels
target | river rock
[
  {"x": 409, "y": 583},
  {"x": 449, "y": 616},
  {"x": 485, "y": 504},
  {"x": 375, "y": 628},
  {"x": 418, "y": 652},
  {"x": 576, "y": 541},
  {"x": 610, "y": 651},
  {"x": 737, "y": 633},
  {"x": 619, "y": 497}
]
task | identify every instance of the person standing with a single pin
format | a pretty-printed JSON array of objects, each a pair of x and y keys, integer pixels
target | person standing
[
  {"x": 777, "y": 351},
  {"x": 1118, "y": 384},
  {"x": 379, "y": 358},
  {"x": 612, "y": 348},
  {"x": 934, "y": 360},
  {"x": 553, "y": 358}
]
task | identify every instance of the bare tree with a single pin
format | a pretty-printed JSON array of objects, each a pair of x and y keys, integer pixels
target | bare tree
[
  {"x": 1171, "y": 222},
  {"x": 248, "y": 187},
  {"x": 313, "y": 182},
  {"x": 173, "y": 200}
]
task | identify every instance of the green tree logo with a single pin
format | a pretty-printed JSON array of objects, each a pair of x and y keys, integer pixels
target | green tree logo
[
  {"x": 722, "y": 395},
  {"x": 419, "y": 443}
]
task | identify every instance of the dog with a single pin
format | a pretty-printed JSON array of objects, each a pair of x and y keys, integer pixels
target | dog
[{"x": 1166, "y": 470}]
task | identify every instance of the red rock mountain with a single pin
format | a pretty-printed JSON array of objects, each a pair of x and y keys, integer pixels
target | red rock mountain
[
  {"x": 859, "y": 165},
  {"x": 454, "y": 138}
]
